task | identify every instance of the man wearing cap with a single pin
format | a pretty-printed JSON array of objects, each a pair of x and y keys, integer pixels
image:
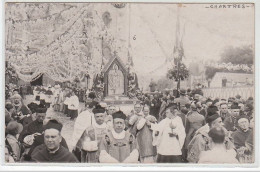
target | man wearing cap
[
  {"x": 52, "y": 150},
  {"x": 92, "y": 136},
  {"x": 27, "y": 120},
  {"x": 241, "y": 135},
  {"x": 169, "y": 137},
  {"x": 118, "y": 145},
  {"x": 230, "y": 123},
  {"x": 32, "y": 141},
  {"x": 35, "y": 127},
  {"x": 202, "y": 141},
  {"x": 182, "y": 100}
]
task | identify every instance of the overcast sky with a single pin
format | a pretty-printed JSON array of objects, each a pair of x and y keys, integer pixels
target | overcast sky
[{"x": 208, "y": 31}]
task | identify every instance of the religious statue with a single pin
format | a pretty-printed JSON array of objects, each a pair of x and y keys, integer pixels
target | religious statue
[
  {"x": 152, "y": 85},
  {"x": 115, "y": 81},
  {"x": 132, "y": 84},
  {"x": 98, "y": 86}
]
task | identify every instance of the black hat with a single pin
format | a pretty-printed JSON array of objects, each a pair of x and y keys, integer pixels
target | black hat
[
  {"x": 92, "y": 104},
  {"x": 250, "y": 98},
  {"x": 41, "y": 109},
  {"x": 92, "y": 95},
  {"x": 98, "y": 109},
  {"x": 33, "y": 107},
  {"x": 235, "y": 106},
  {"x": 119, "y": 114},
  {"x": 172, "y": 105},
  {"x": 53, "y": 124},
  {"x": 215, "y": 101},
  {"x": 238, "y": 96},
  {"x": 209, "y": 100},
  {"x": 249, "y": 107},
  {"x": 212, "y": 110},
  {"x": 212, "y": 118}
]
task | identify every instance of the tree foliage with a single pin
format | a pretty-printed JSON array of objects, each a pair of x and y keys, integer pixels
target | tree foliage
[
  {"x": 173, "y": 73},
  {"x": 164, "y": 83},
  {"x": 238, "y": 55}
]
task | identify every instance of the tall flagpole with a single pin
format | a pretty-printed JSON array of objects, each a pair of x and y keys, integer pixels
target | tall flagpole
[
  {"x": 130, "y": 60},
  {"x": 177, "y": 49},
  {"x": 102, "y": 53}
]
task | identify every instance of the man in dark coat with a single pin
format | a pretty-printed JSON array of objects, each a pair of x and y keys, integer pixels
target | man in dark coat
[
  {"x": 240, "y": 137},
  {"x": 241, "y": 134},
  {"x": 32, "y": 141},
  {"x": 230, "y": 123},
  {"x": 35, "y": 127},
  {"x": 182, "y": 100},
  {"x": 52, "y": 150},
  {"x": 224, "y": 111}
]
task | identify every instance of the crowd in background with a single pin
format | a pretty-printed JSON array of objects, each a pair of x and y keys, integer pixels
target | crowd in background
[{"x": 163, "y": 127}]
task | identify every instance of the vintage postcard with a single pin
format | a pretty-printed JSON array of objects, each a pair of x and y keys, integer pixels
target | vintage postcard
[{"x": 135, "y": 84}]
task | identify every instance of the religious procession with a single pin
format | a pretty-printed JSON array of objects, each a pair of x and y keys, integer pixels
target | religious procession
[{"x": 87, "y": 93}]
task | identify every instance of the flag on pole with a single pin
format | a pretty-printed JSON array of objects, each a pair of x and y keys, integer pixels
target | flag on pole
[{"x": 178, "y": 51}]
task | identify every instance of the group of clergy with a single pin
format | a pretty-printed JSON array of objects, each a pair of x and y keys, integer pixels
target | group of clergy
[{"x": 105, "y": 134}]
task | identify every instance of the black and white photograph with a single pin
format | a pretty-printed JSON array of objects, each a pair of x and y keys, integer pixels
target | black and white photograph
[{"x": 129, "y": 83}]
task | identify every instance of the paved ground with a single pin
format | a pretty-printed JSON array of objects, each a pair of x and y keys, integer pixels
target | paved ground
[{"x": 68, "y": 125}]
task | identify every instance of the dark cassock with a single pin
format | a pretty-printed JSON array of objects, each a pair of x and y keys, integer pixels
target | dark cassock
[
  {"x": 31, "y": 142},
  {"x": 37, "y": 141},
  {"x": 52, "y": 150},
  {"x": 36, "y": 126},
  {"x": 42, "y": 154},
  {"x": 240, "y": 137}
]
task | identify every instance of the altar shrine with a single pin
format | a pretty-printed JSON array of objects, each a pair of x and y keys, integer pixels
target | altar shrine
[{"x": 115, "y": 78}]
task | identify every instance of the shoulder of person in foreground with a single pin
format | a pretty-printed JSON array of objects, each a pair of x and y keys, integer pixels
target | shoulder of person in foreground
[
  {"x": 38, "y": 152},
  {"x": 196, "y": 146},
  {"x": 225, "y": 157},
  {"x": 70, "y": 157}
]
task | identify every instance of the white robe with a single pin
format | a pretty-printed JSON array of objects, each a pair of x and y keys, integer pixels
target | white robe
[
  {"x": 73, "y": 103},
  {"x": 83, "y": 121},
  {"x": 169, "y": 145}
]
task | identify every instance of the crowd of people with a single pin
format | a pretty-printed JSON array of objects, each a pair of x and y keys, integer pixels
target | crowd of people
[{"x": 161, "y": 128}]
